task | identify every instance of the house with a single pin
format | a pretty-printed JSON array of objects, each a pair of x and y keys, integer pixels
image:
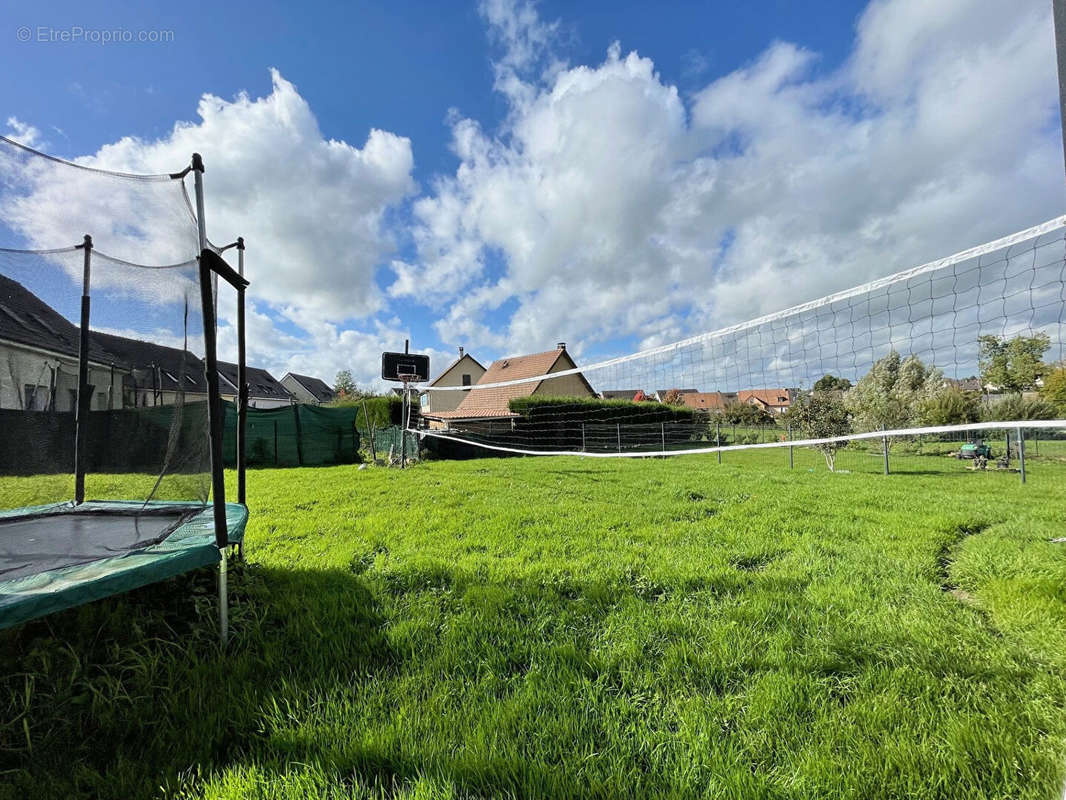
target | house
[
  {"x": 307, "y": 389},
  {"x": 966, "y": 384},
  {"x": 39, "y": 357},
  {"x": 621, "y": 394},
  {"x": 463, "y": 371},
  {"x": 660, "y": 394},
  {"x": 776, "y": 401},
  {"x": 264, "y": 390},
  {"x": 492, "y": 404},
  {"x": 708, "y": 401},
  {"x": 157, "y": 373}
]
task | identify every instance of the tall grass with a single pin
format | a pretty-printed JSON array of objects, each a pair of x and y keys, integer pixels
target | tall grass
[{"x": 571, "y": 628}]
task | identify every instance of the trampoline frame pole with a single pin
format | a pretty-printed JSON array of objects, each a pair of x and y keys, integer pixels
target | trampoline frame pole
[
  {"x": 214, "y": 404},
  {"x": 84, "y": 392},
  {"x": 242, "y": 386}
]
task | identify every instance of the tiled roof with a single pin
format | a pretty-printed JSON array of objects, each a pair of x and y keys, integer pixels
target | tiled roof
[
  {"x": 28, "y": 320},
  {"x": 155, "y": 366},
  {"x": 489, "y": 403},
  {"x": 316, "y": 386},
  {"x": 261, "y": 384},
  {"x": 708, "y": 400},
  {"x": 619, "y": 394},
  {"x": 769, "y": 397}
]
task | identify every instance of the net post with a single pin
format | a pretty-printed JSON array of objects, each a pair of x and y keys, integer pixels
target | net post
[
  {"x": 1021, "y": 453},
  {"x": 403, "y": 421},
  {"x": 242, "y": 387},
  {"x": 370, "y": 432},
  {"x": 618, "y": 426},
  {"x": 1059, "y": 14},
  {"x": 718, "y": 439},
  {"x": 884, "y": 449},
  {"x": 583, "y": 437},
  {"x": 662, "y": 433},
  {"x": 223, "y": 599},
  {"x": 214, "y": 398},
  {"x": 299, "y": 435},
  {"x": 791, "y": 456},
  {"x": 84, "y": 392}
]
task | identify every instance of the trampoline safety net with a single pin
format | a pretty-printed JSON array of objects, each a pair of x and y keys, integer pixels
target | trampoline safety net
[{"x": 145, "y": 432}]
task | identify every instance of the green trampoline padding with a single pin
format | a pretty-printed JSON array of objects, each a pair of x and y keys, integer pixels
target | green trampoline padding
[{"x": 59, "y": 556}]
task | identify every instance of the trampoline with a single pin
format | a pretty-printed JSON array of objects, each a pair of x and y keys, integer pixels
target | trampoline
[{"x": 142, "y": 407}]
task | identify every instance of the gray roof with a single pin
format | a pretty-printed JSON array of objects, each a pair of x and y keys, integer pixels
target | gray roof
[
  {"x": 318, "y": 388},
  {"x": 28, "y": 320},
  {"x": 261, "y": 384}
]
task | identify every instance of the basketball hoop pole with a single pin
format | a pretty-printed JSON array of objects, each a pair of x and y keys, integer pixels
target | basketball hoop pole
[{"x": 404, "y": 412}]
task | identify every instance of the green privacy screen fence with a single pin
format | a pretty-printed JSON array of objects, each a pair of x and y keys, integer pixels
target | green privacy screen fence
[
  {"x": 36, "y": 442},
  {"x": 294, "y": 436}
]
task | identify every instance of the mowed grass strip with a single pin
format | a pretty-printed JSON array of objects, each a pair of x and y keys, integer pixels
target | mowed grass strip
[{"x": 574, "y": 628}]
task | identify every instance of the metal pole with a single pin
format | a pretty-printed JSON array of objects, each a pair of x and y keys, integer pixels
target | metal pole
[
  {"x": 403, "y": 423},
  {"x": 718, "y": 439},
  {"x": 618, "y": 425},
  {"x": 214, "y": 399},
  {"x": 223, "y": 599},
  {"x": 1006, "y": 437},
  {"x": 81, "y": 421},
  {"x": 884, "y": 449},
  {"x": 242, "y": 385},
  {"x": 582, "y": 437},
  {"x": 791, "y": 457},
  {"x": 1021, "y": 454},
  {"x": 662, "y": 431}
]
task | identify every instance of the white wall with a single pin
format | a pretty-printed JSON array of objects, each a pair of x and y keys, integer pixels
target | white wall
[
  {"x": 21, "y": 365},
  {"x": 449, "y": 401}
]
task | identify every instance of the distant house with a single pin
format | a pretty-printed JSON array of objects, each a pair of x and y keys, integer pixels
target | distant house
[
  {"x": 708, "y": 401},
  {"x": 776, "y": 401},
  {"x": 966, "y": 384},
  {"x": 157, "y": 373},
  {"x": 264, "y": 390},
  {"x": 39, "y": 357},
  {"x": 492, "y": 404},
  {"x": 463, "y": 371},
  {"x": 660, "y": 394},
  {"x": 306, "y": 389},
  {"x": 621, "y": 394}
]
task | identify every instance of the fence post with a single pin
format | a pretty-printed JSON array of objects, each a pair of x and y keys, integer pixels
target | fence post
[
  {"x": 1006, "y": 438},
  {"x": 299, "y": 435},
  {"x": 1021, "y": 454},
  {"x": 662, "y": 432},
  {"x": 275, "y": 443},
  {"x": 718, "y": 439},
  {"x": 582, "y": 437},
  {"x": 791, "y": 459},
  {"x": 618, "y": 426},
  {"x": 884, "y": 449}
]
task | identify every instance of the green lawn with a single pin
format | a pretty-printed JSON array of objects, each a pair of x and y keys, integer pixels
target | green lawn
[{"x": 575, "y": 628}]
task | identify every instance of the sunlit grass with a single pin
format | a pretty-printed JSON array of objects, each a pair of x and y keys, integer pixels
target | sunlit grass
[{"x": 576, "y": 628}]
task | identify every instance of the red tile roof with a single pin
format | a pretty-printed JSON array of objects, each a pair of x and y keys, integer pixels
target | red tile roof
[{"x": 492, "y": 403}]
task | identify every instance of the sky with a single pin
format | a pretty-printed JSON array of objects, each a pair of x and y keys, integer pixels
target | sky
[{"x": 504, "y": 175}]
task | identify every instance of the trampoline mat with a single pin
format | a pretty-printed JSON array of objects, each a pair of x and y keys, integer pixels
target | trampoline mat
[{"x": 31, "y": 545}]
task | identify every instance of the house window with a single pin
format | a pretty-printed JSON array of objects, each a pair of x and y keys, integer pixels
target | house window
[
  {"x": 466, "y": 380},
  {"x": 101, "y": 400}
]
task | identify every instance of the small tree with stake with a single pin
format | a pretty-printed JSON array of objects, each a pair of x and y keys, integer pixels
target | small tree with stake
[{"x": 821, "y": 415}]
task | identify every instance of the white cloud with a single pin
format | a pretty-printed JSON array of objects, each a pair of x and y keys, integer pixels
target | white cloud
[
  {"x": 311, "y": 210},
  {"x": 619, "y": 207}
]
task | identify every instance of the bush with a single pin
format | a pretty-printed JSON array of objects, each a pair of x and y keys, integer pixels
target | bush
[
  {"x": 383, "y": 410},
  {"x": 952, "y": 406},
  {"x": 1014, "y": 406}
]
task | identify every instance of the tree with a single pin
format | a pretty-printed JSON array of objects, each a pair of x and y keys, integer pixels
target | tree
[
  {"x": 674, "y": 398},
  {"x": 1016, "y": 407},
  {"x": 893, "y": 393},
  {"x": 820, "y": 415},
  {"x": 951, "y": 406},
  {"x": 1012, "y": 365},
  {"x": 737, "y": 413},
  {"x": 1054, "y": 388},
  {"x": 831, "y": 383},
  {"x": 344, "y": 384}
]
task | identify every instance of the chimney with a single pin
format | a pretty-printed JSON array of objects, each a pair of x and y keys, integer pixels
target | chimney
[
  {"x": 560, "y": 346},
  {"x": 460, "y": 351}
]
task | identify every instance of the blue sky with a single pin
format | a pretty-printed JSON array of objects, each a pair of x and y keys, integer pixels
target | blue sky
[{"x": 757, "y": 155}]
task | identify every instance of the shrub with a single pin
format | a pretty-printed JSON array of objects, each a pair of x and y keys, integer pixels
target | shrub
[{"x": 1014, "y": 406}]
